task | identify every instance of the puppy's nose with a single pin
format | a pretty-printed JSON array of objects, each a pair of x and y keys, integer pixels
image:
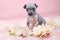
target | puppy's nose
[{"x": 30, "y": 14}]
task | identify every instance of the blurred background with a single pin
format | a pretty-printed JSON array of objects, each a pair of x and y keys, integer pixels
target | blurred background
[{"x": 13, "y": 9}]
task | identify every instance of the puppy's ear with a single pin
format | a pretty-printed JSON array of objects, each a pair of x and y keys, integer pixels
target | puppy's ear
[
  {"x": 36, "y": 5},
  {"x": 25, "y": 6}
]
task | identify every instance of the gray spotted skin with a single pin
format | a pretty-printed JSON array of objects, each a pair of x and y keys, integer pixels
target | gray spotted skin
[{"x": 41, "y": 20}]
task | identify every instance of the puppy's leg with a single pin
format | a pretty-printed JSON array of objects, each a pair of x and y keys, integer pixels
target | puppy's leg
[
  {"x": 30, "y": 26},
  {"x": 44, "y": 22},
  {"x": 36, "y": 24}
]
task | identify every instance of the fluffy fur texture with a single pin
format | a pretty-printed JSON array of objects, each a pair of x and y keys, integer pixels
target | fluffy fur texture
[{"x": 39, "y": 31}]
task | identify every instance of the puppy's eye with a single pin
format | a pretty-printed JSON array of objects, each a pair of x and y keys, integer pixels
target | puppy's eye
[{"x": 33, "y": 8}]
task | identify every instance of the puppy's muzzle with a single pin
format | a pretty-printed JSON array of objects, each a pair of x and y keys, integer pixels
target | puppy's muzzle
[{"x": 30, "y": 14}]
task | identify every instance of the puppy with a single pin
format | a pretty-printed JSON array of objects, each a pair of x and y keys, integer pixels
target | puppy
[{"x": 33, "y": 18}]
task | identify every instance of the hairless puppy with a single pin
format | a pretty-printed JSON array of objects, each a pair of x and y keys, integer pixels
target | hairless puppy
[{"x": 33, "y": 18}]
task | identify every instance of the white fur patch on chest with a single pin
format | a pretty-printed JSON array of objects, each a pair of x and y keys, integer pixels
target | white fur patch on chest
[{"x": 33, "y": 19}]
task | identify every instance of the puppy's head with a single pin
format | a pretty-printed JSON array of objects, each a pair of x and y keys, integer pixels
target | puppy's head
[{"x": 30, "y": 8}]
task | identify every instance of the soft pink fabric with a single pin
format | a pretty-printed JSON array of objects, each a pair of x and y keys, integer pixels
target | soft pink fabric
[
  {"x": 55, "y": 35},
  {"x": 4, "y": 34}
]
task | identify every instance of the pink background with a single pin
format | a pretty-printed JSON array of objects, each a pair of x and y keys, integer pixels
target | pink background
[{"x": 13, "y": 9}]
